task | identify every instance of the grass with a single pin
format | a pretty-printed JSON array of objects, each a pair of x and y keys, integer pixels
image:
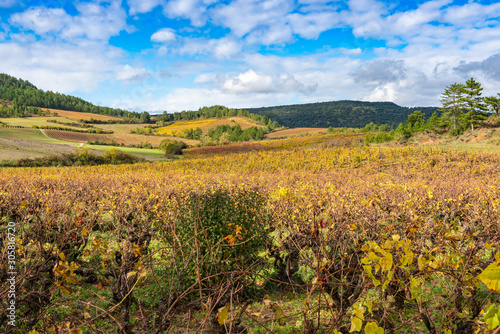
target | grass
[
  {"x": 33, "y": 135},
  {"x": 132, "y": 150}
]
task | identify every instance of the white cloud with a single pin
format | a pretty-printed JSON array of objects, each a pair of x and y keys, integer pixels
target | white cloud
[
  {"x": 129, "y": 73},
  {"x": 95, "y": 21},
  {"x": 193, "y": 10},
  {"x": 164, "y": 35},
  {"x": 223, "y": 48},
  {"x": 312, "y": 25},
  {"x": 41, "y": 20},
  {"x": 61, "y": 68},
  {"x": 142, "y": 6},
  {"x": 266, "y": 19}
]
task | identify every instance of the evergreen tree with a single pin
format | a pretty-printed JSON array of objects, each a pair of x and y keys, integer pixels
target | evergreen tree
[
  {"x": 452, "y": 100},
  {"x": 493, "y": 103},
  {"x": 473, "y": 101}
]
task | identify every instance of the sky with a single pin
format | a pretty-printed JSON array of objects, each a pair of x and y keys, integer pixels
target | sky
[{"x": 173, "y": 55}]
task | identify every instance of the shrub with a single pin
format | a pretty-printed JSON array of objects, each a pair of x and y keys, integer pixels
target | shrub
[
  {"x": 172, "y": 147},
  {"x": 224, "y": 229}
]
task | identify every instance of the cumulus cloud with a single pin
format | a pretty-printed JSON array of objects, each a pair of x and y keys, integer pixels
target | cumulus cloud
[
  {"x": 142, "y": 6},
  {"x": 193, "y": 10},
  {"x": 131, "y": 74},
  {"x": 164, "y": 35},
  {"x": 381, "y": 71},
  {"x": 52, "y": 66},
  {"x": 95, "y": 21},
  {"x": 252, "y": 82},
  {"x": 222, "y": 48},
  {"x": 489, "y": 67}
]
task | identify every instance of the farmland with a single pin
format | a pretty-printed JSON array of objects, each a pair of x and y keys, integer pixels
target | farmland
[
  {"x": 206, "y": 124},
  {"x": 300, "y": 237}
]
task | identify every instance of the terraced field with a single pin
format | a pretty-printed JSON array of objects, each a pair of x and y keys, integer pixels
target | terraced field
[
  {"x": 75, "y": 115},
  {"x": 78, "y": 137},
  {"x": 206, "y": 124},
  {"x": 39, "y": 121},
  {"x": 295, "y": 132}
]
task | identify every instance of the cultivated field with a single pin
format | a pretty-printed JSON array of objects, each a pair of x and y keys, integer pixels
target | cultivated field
[
  {"x": 39, "y": 121},
  {"x": 207, "y": 124},
  {"x": 77, "y": 137},
  {"x": 75, "y": 115},
  {"x": 295, "y": 132},
  {"x": 301, "y": 238}
]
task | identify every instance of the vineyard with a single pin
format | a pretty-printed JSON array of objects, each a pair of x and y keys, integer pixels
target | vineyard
[
  {"x": 78, "y": 137},
  {"x": 318, "y": 238}
]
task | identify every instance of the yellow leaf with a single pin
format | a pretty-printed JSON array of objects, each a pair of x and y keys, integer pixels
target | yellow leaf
[
  {"x": 491, "y": 276},
  {"x": 86, "y": 315},
  {"x": 222, "y": 315},
  {"x": 422, "y": 263},
  {"x": 369, "y": 305},
  {"x": 357, "y": 318},
  {"x": 132, "y": 273},
  {"x": 372, "y": 328},
  {"x": 62, "y": 256},
  {"x": 85, "y": 232},
  {"x": 356, "y": 324}
]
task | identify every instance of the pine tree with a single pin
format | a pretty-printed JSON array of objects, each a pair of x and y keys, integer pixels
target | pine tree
[
  {"x": 493, "y": 103},
  {"x": 452, "y": 100},
  {"x": 473, "y": 101}
]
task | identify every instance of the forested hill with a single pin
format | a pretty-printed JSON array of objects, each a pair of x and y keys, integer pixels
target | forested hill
[
  {"x": 23, "y": 94},
  {"x": 355, "y": 114}
]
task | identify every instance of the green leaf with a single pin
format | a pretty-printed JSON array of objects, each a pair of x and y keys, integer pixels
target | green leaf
[
  {"x": 491, "y": 276},
  {"x": 492, "y": 316}
]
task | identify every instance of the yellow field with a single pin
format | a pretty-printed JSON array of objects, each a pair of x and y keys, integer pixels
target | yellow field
[
  {"x": 295, "y": 132},
  {"x": 206, "y": 124},
  {"x": 80, "y": 115},
  {"x": 396, "y": 235}
]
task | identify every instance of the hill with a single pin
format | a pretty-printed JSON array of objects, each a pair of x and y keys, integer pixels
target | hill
[
  {"x": 351, "y": 114},
  {"x": 25, "y": 98}
]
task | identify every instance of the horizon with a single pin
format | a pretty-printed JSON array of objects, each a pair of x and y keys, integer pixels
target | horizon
[{"x": 159, "y": 55}]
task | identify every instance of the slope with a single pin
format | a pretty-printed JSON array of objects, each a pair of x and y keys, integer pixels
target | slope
[{"x": 353, "y": 114}]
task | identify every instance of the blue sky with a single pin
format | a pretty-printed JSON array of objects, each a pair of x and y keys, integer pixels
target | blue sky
[{"x": 174, "y": 55}]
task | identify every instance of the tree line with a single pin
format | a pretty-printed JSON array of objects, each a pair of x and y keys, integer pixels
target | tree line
[
  {"x": 216, "y": 111},
  {"x": 24, "y": 95},
  {"x": 349, "y": 114}
]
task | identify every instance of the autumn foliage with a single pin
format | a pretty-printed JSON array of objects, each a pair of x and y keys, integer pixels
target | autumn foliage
[{"x": 363, "y": 239}]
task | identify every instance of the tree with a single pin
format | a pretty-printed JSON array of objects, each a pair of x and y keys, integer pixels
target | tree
[
  {"x": 493, "y": 103},
  {"x": 473, "y": 101},
  {"x": 452, "y": 100}
]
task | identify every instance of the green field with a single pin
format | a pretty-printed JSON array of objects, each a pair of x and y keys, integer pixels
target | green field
[
  {"x": 31, "y": 135},
  {"x": 132, "y": 150}
]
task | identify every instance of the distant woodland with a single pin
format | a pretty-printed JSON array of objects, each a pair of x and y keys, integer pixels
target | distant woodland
[{"x": 353, "y": 114}]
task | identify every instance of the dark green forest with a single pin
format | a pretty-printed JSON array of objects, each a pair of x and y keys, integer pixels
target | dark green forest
[
  {"x": 23, "y": 95},
  {"x": 351, "y": 114}
]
